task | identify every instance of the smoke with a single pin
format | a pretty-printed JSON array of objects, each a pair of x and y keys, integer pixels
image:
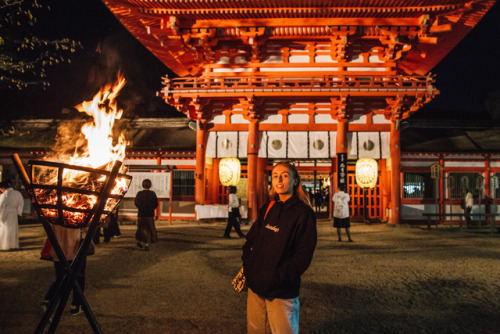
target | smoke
[
  {"x": 69, "y": 140},
  {"x": 121, "y": 53}
]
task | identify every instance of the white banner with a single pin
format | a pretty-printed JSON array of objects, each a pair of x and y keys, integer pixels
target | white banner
[
  {"x": 226, "y": 144},
  {"x": 297, "y": 144},
  {"x": 160, "y": 183},
  {"x": 211, "y": 151},
  {"x": 373, "y": 145},
  {"x": 276, "y": 145},
  {"x": 319, "y": 144},
  {"x": 333, "y": 144}
]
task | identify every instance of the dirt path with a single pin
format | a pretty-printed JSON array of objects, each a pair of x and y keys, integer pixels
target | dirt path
[{"x": 390, "y": 280}]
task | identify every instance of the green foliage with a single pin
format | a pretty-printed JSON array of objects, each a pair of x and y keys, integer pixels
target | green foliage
[{"x": 25, "y": 57}]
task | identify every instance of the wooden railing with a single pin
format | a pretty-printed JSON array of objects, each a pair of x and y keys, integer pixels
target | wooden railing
[
  {"x": 320, "y": 83},
  {"x": 461, "y": 219}
]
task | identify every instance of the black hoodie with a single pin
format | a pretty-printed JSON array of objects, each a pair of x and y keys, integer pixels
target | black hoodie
[{"x": 280, "y": 248}]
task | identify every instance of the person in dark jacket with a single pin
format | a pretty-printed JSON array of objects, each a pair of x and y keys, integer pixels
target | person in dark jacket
[
  {"x": 278, "y": 250},
  {"x": 147, "y": 202}
]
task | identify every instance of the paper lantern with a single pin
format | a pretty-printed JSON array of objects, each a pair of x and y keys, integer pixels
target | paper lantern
[
  {"x": 366, "y": 173},
  {"x": 229, "y": 171}
]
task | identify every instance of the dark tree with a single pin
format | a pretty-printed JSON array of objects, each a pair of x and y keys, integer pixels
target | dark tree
[{"x": 25, "y": 56}]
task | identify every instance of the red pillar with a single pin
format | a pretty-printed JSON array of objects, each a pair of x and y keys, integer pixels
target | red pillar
[
  {"x": 252, "y": 152},
  {"x": 487, "y": 185},
  {"x": 385, "y": 188},
  {"x": 441, "y": 189},
  {"x": 395, "y": 174},
  {"x": 199, "y": 178},
  {"x": 342, "y": 136}
]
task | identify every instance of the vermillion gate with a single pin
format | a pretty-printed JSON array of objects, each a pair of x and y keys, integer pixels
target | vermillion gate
[{"x": 308, "y": 79}]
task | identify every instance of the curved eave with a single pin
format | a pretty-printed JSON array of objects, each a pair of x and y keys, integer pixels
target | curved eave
[
  {"x": 425, "y": 57},
  {"x": 149, "y": 22},
  {"x": 170, "y": 51}
]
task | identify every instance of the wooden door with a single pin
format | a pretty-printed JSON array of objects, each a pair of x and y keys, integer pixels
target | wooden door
[{"x": 373, "y": 198}]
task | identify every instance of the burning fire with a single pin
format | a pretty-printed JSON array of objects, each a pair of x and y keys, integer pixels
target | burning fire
[
  {"x": 99, "y": 152},
  {"x": 98, "y": 133}
]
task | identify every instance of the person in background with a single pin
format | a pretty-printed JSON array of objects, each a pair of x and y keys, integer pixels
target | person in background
[
  {"x": 341, "y": 212},
  {"x": 69, "y": 241},
  {"x": 11, "y": 206},
  {"x": 234, "y": 216},
  {"x": 111, "y": 229},
  {"x": 147, "y": 202},
  {"x": 278, "y": 250},
  {"x": 469, "y": 202},
  {"x": 318, "y": 200}
]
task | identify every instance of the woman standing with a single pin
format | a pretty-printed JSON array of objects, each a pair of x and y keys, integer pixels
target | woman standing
[
  {"x": 279, "y": 249},
  {"x": 147, "y": 202}
]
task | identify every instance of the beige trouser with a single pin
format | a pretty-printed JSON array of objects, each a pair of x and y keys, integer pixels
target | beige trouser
[{"x": 277, "y": 316}]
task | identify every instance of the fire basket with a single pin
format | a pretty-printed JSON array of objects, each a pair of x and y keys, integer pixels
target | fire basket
[
  {"x": 73, "y": 197},
  {"x": 68, "y": 195}
]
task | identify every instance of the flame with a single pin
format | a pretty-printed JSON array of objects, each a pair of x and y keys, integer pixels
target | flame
[
  {"x": 99, "y": 133},
  {"x": 101, "y": 152}
]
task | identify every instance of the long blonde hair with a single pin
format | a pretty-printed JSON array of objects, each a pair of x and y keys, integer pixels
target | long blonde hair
[{"x": 298, "y": 189}]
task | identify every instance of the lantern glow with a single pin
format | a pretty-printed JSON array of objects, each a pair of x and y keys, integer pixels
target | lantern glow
[
  {"x": 366, "y": 173},
  {"x": 229, "y": 171}
]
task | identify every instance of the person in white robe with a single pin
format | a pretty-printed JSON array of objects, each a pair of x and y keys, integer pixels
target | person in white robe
[{"x": 11, "y": 206}]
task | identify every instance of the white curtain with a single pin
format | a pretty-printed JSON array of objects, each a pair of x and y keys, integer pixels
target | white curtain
[
  {"x": 211, "y": 151},
  {"x": 333, "y": 144},
  {"x": 373, "y": 145},
  {"x": 297, "y": 144},
  {"x": 319, "y": 144},
  {"x": 274, "y": 145},
  {"x": 226, "y": 144},
  {"x": 243, "y": 146}
]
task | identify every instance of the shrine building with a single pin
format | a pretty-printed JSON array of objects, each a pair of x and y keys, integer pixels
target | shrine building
[{"x": 308, "y": 81}]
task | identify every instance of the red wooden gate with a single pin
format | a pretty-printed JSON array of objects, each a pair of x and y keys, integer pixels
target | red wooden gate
[{"x": 373, "y": 198}]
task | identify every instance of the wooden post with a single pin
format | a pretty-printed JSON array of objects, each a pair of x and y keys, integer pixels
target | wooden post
[
  {"x": 395, "y": 173},
  {"x": 252, "y": 152},
  {"x": 342, "y": 136},
  {"x": 199, "y": 183}
]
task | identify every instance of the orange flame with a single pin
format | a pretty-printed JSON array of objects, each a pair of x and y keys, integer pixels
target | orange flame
[
  {"x": 101, "y": 152},
  {"x": 99, "y": 133}
]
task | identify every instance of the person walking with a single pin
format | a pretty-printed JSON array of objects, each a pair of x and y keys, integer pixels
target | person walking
[
  {"x": 278, "y": 250},
  {"x": 147, "y": 202},
  {"x": 11, "y": 206},
  {"x": 341, "y": 213},
  {"x": 234, "y": 216}
]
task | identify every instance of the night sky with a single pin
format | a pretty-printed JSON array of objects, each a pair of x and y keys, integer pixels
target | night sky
[
  {"x": 469, "y": 74},
  {"x": 466, "y": 78}
]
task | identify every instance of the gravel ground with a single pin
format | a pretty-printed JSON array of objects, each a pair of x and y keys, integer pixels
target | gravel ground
[{"x": 390, "y": 280}]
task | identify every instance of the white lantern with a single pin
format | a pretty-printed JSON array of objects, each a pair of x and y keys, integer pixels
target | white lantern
[
  {"x": 366, "y": 172},
  {"x": 229, "y": 171}
]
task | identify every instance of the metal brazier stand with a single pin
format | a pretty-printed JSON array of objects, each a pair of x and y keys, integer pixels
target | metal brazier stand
[{"x": 91, "y": 201}]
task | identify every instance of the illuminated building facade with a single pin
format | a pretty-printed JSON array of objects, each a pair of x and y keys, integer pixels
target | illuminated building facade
[{"x": 300, "y": 80}]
